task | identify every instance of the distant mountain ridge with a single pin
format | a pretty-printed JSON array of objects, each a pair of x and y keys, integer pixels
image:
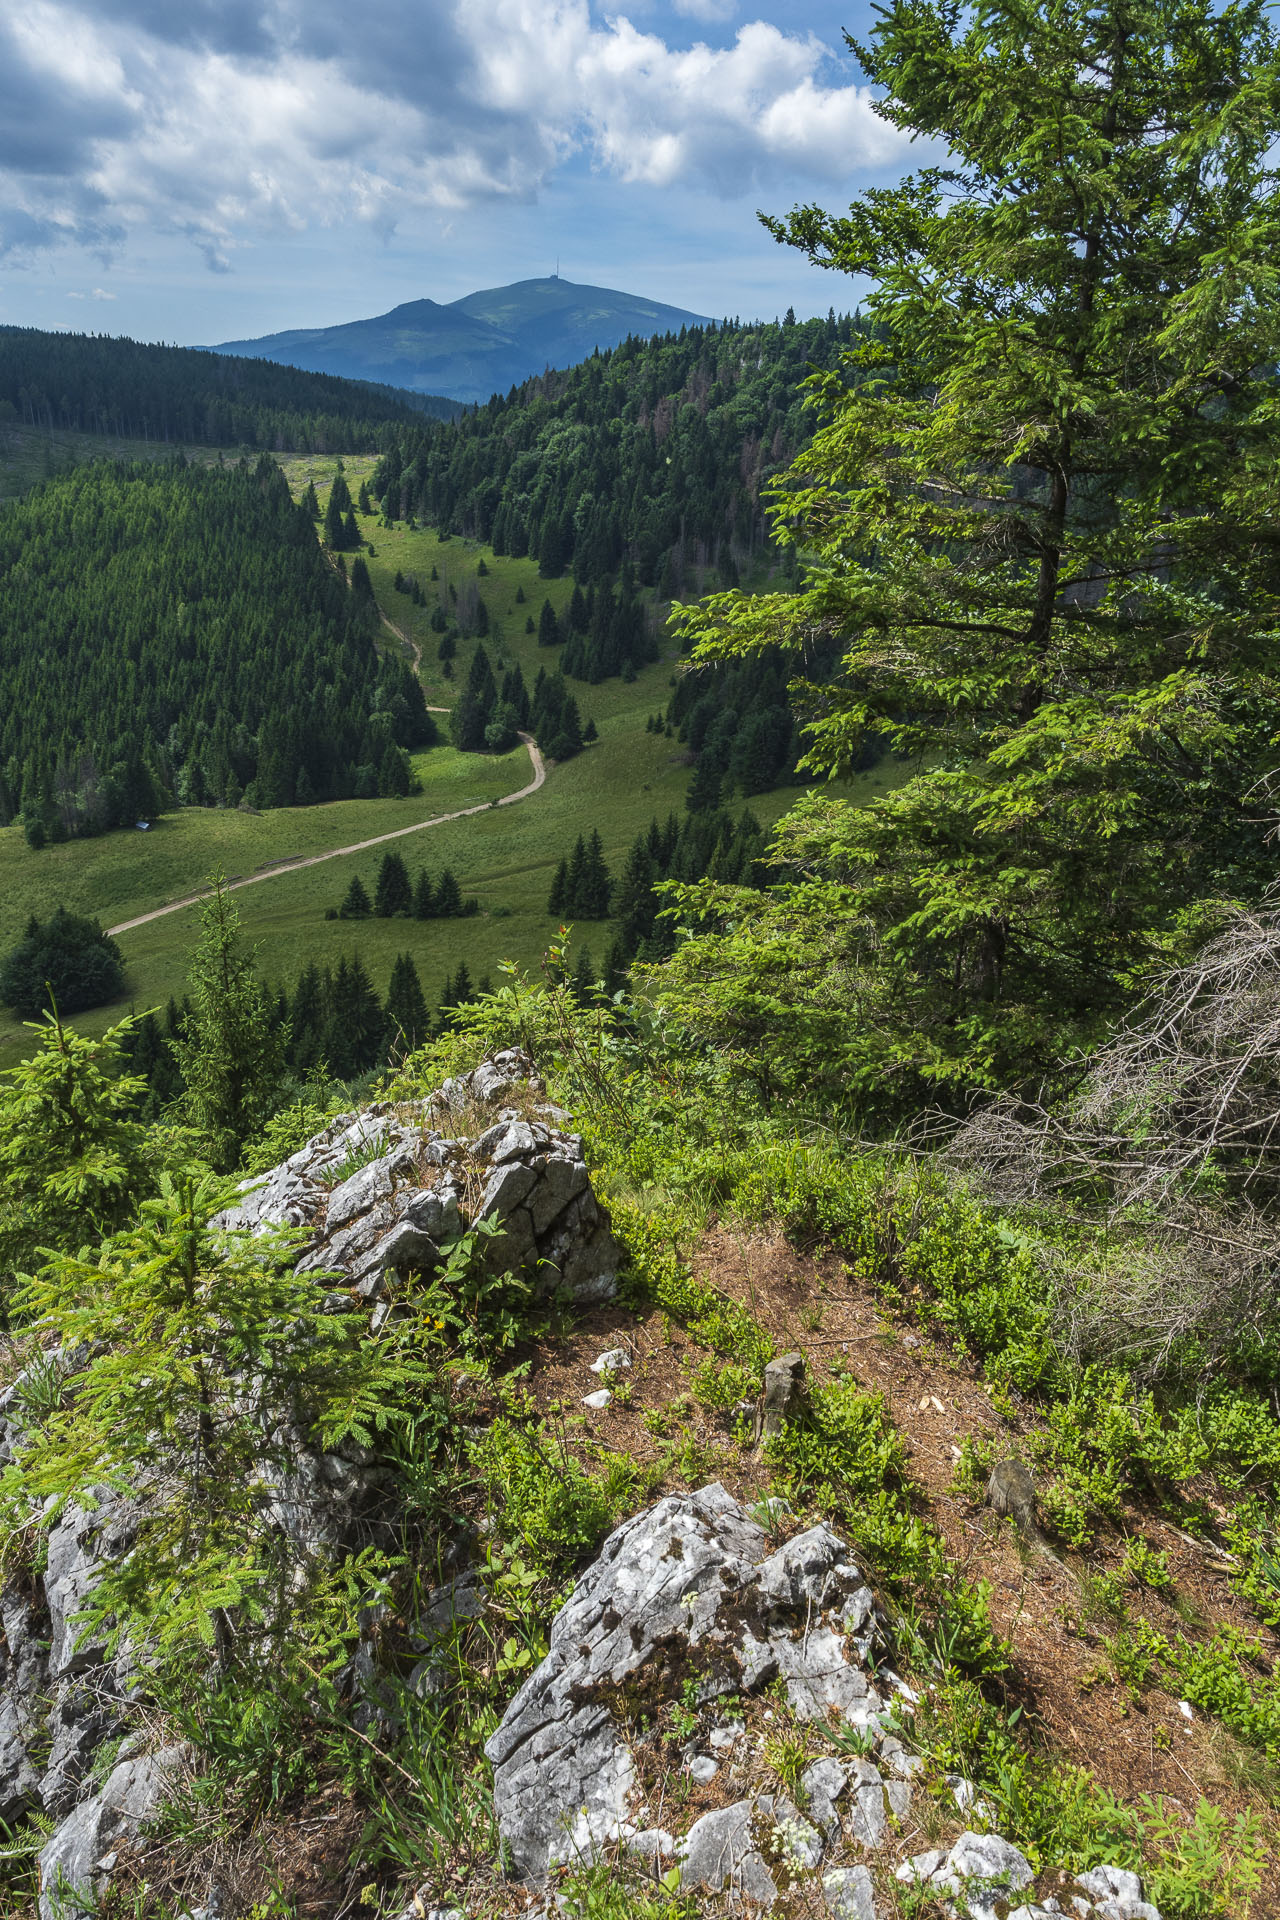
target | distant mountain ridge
[{"x": 477, "y": 346}]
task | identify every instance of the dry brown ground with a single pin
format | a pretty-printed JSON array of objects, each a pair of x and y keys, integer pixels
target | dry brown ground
[{"x": 1059, "y": 1674}]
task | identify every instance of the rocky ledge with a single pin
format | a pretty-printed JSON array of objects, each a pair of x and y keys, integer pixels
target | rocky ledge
[
  {"x": 687, "y": 1603},
  {"x": 389, "y": 1188},
  {"x": 380, "y": 1192}
]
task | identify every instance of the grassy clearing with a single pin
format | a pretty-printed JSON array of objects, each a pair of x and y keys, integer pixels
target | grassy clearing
[{"x": 507, "y": 857}]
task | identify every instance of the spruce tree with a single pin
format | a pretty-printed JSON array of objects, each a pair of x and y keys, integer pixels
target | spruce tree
[
  {"x": 457, "y": 990},
  {"x": 393, "y": 895},
  {"x": 448, "y": 896},
  {"x": 308, "y": 1011},
  {"x": 573, "y": 878},
  {"x": 467, "y": 722},
  {"x": 395, "y": 773},
  {"x": 557, "y": 900},
  {"x": 1037, "y": 519},
  {"x": 355, "y": 901},
  {"x": 637, "y": 904},
  {"x": 353, "y": 1035},
  {"x": 334, "y": 535},
  {"x": 406, "y": 1020},
  {"x": 309, "y": 503},
  {"x": 424, "y": 899},
  {"x": 232, "y": 1062},
  {"x": 594, "y": 886},
  {"x": 548, "y": 626},
  {"x": 73, "y": 1157}
]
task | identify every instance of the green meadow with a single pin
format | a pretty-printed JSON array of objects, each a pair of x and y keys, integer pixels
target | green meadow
[{"x": 505, "y": 856}]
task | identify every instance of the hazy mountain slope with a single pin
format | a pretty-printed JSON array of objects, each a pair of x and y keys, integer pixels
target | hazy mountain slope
[{"x": 477, "y": 346}]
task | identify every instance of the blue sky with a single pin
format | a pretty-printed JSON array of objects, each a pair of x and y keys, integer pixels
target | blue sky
[{"x": 201, "y": 170}]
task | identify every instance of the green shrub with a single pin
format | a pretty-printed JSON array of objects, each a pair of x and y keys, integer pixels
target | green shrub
[{"x": 540, "y": 1496}]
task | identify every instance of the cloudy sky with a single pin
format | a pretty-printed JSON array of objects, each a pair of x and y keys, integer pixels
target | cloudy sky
[{"x": 199, "y": 170}]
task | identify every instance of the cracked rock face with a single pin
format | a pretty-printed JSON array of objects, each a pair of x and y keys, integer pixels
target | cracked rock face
[
  {"x": 688, "y": 1586},
  {"x": 689, "y": 1591},
  {"x": 76, "y": 1863},
  {"x": 380, "y": 1191},
  {"x": 387, "y": 1190}
]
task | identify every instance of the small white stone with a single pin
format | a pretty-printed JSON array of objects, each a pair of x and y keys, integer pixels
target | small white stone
[
  {"x": 611, "y": 1362},
  {"x": 703, "y": 1769},
  {"x": 722, "y": 1737},
  {"x": 598, "y": 1400},
  {"x": 1186, "y": 1709}
]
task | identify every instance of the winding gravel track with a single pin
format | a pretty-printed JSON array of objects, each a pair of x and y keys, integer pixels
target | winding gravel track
[{"x": 276, "y": 867}]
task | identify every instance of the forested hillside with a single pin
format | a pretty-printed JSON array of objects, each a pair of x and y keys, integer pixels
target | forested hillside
[
  {"x": 94, "y": 384},
  {"x": 654, "y": 456},
  {"x": 175, "y": 633},
  {"x": 645, "y": 473}
]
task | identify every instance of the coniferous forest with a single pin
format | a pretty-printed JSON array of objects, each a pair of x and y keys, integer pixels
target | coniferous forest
[
  {"x": 176, "y": 634},
  {"x": 144, "y": 392},
  {"x": 645, "y": 473}
]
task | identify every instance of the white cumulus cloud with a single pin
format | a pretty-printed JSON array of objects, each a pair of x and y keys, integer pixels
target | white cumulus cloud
[{"x": 229, "y": 120}]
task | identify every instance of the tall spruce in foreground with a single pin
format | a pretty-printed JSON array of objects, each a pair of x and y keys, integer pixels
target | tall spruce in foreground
[
  {"x": 231, "y": 1057},
  {"x": 1042, "y": 514}
]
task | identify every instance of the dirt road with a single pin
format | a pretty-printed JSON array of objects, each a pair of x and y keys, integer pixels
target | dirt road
[{"x": 273, "y": 871}]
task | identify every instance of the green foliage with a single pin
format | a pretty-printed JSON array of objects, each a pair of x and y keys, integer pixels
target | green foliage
[
  {"x": 539, "y": 1496},
  {"x": 73, "y": 1157},
  {"x": 606, "y": 1892},
  {"x": 232, "y": 1062},
  {"x": 165, "y": 1324},
  {"x": 62, "y": 966},
  {"x": 1208, "y": 1865},
  {"x": 843, "y": 1452},
  {"x": 1228, "y": 1676},
  {"x": 1050, "y": 392}
]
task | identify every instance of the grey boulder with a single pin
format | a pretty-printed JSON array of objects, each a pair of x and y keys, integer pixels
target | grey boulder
[
  {"x": 76, "y": 1861},
  {"x": 687, "y": 1587}
]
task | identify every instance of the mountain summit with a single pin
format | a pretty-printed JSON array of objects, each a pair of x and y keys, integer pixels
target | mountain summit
[{"x": 476, "y": 346}]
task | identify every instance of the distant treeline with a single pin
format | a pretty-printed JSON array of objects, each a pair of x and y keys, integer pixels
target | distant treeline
[
  {"x": 332, "y": 1018},
  {"x": 705, "y": 846},
  {"x": 173, "y": 633},
  {"x": 398, "y": 897},
  {"x": 93, "y": 384}
]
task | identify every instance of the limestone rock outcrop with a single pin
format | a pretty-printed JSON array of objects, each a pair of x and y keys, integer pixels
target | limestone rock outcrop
[
  {"x": 378, "y": 1193},
  {"x": 688, "y": 1588},
  {"x": 688, "y": 1602},
  {"x": 387, "y": 1189}
]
